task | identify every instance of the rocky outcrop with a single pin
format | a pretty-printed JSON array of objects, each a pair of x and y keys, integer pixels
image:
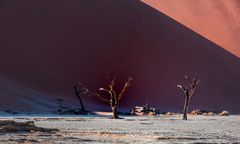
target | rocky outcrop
[
  {"x": 203, "y": 112},
  {"x": 224, "y": 113},
  {"x": 144, "y": 110}
]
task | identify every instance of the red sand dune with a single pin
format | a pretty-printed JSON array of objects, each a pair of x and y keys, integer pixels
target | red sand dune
[
  {"x": 217, "y": 20},
  {"x": 48, "y": 45}
]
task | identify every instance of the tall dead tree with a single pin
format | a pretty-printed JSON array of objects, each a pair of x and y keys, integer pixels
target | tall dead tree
[
  {"x": 188, "y": 91},
  {"x": 114, "y": 97},
  {"x": 79, "y": 91}
]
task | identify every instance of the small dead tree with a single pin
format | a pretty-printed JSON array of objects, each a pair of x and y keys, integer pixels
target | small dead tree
[
  {"x": 79, "y": 91},
  {"x": 114, "y": 98},
  {"x": 188, "y": 91},
  {"x": 60, "y": 103}
]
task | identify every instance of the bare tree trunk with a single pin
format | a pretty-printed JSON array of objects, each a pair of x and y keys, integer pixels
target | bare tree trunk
[
  {"x": 185, "y": 110},
  {"x": 81, "y": 103},
  {"x": 79, "y": 98},
  {"x": 114, "y": 112}
]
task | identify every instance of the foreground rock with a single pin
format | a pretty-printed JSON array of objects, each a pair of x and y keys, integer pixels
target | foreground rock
[{"x": 29, "y": 126}]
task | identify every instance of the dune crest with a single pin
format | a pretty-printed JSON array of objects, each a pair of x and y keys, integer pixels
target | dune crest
[{"x": 216, "y": 20}]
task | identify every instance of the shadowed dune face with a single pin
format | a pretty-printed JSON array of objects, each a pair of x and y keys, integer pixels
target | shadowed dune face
[
  {"x": 48, "y": 45},
  {"x": 217, "y": 20}
]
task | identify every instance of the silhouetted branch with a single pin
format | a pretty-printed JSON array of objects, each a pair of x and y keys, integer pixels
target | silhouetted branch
[
  {"x": 182, "y": 88},
  {"x": 106, "y": 90},
  {"x": 188, "y": 80},
  {"x": 126, "y": 85},
  {"x": 104, "y": 99}
]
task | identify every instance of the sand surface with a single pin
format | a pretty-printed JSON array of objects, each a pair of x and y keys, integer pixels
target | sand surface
[{"x": 159, "y": 129}]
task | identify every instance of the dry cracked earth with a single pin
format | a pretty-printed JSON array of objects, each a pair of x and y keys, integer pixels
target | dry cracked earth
[{"x": 130, "y": 129}]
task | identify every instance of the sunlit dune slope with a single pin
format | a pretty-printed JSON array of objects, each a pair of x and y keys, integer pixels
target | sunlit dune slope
[{"x": 217, "y": 20}]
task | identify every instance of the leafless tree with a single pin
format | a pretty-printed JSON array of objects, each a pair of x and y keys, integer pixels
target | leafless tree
[
  {"x": 188, "y": 91},
  {"x": 60, "y": 103},
  {"x": 114, "y": 97},
  {"x": 79, "y": 91}
]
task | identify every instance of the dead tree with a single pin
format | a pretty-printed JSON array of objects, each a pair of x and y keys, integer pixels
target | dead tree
[
  {"x": 188, "y": 91},
  {"x": 114, "y": 97},
  {"x": 60, "y": 103},
  {"x": 79, "y": 91}
]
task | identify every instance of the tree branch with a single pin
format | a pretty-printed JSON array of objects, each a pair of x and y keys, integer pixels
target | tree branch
[
  {"x": 198, "y": 81},
  {"x": 106, "y": 90},
  {"x": 189, "y": 81},
  {"x": 182, "y": 88},
  {"x": 81, "y": 87},
  {"x": 104, "y": 99},
  {"x": 113, "y": 82},
  {"x": 126, "y": 85}
]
